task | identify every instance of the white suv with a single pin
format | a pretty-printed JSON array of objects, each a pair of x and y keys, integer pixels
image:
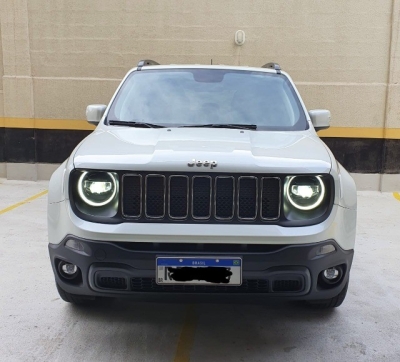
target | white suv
[{"x": 203, "y": 182}]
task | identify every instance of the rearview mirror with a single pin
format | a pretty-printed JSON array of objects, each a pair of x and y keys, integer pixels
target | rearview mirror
[
  {"x": 320, "y": 118},
  {"x": 94, "y": 113}
]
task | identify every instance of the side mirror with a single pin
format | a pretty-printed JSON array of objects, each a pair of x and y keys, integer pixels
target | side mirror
[
  {"x": 320, "y": 118},
  {"x": 94, "y": 113}
]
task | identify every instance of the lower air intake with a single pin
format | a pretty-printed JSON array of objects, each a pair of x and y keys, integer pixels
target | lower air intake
[
  {"x": 287, "y": 286},
  {"x": 112, "y": 283}
]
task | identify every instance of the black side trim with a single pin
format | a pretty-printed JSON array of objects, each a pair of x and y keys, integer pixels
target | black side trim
[
  {"x": 27, "y": 145},
  {"x": 391, "y": 162},
  {"x": 54, "y": 146},
  {"x": 19, "y": 145},
  {"x": 2, "y": 144},
  {"x": 363, "y": 155}
]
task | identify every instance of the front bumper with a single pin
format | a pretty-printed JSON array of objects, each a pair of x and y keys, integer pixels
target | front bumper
[
  {"x": 289, "y": 271},
  {"x": 339, "y": 226}
]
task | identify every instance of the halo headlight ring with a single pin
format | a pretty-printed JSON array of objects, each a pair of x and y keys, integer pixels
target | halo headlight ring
[
  {"x": 309, "y": 207},
  {"x": 91, "y": 202}
]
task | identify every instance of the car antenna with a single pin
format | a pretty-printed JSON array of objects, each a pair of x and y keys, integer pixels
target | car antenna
[{"x": 211, "y": 61}]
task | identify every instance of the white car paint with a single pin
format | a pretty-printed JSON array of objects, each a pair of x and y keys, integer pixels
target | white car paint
[{"x": 171, "y": 149}]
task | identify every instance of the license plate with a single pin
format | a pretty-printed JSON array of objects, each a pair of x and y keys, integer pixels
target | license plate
[{"x": 195, "y": 270}]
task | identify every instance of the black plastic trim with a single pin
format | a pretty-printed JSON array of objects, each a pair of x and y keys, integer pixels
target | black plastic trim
[{"x": 302, "y": 261}]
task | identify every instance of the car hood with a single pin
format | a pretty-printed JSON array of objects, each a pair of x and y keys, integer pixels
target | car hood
[{"x": 122, "y": 148}]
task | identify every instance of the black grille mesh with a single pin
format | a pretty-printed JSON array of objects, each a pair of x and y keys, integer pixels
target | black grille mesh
[
  {"x": 179, "y": 189},
  {"x": 132, "y": 194},
  {"x": 155, "y": 196},
  {"x": 247, "y": 198},
  {"x": 112, "y": 283},
  {"x": 202, "y": 197},
  {"x": 224, "y": 197},
  {"x": 287, "y": 285},
  {"x": 270, "y": 198}
]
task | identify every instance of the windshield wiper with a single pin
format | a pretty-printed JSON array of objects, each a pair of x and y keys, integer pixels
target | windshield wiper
[
  {"x": 221, "y": 125},
  {"x": 134, "y": 124}
]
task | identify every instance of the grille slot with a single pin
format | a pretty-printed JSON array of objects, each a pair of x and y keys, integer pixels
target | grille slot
[
  {"x": 271, "y": 199},
  {"x": 132, "y": 196},
  {"x": 201, "y": 197},
  {"x": 178, "y": 207},
  {"x": 155, "y": 196},
  {"x": 112, "y": 283},
  {"x": 248, "y": 286},
  {"x": 224, "y": 197},
  {"x": 247, "y": 199},
  {"x": 287, "y": 286}
]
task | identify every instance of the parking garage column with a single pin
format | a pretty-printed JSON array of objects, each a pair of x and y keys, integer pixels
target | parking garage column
[{"x": 17, "y": 82}]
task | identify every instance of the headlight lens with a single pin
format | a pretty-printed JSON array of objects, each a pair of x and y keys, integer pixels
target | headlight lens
[
  {"x": 97, "y": 188},
  {"x": 305, "y": 192}
]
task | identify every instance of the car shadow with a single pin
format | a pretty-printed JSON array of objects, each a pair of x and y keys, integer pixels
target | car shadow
[{"x": 222, "y": 332}]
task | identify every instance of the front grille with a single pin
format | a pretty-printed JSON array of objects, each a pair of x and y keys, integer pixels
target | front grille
[
  {"x": 248, "y": 286},
  {"x": 201, "y": 198}
]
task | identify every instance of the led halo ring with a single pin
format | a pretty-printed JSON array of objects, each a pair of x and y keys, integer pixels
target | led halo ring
[
  {"x": 315, "y": 204},
  {"x": 89, "y": 202}
]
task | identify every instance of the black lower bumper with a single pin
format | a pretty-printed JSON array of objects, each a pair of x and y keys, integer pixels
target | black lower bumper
[{"x": 128, "y": 269}]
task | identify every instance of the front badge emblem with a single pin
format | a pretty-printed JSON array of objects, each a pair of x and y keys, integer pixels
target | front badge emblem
[{"x": 199, "y": 163}]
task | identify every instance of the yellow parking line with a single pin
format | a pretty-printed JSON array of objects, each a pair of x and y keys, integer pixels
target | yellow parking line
[
  {"x": 12, "y": 207},
  {"x": 186, "y": 338},
  {"x": 396, "y": 195}
]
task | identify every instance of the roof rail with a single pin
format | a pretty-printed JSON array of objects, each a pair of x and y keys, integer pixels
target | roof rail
[
  {"x": 275, "y": 66},
  {"x": 146, "y": 62}
]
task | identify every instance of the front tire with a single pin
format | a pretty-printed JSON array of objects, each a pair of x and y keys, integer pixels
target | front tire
[
  {"x": 75, "y": 299},
  {"x": 330, "y": 303}
]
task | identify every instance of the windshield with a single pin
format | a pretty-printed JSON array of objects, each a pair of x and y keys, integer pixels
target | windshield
[{"x": 195, "y": 97}]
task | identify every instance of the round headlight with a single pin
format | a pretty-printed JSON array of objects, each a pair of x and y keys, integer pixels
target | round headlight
[
  {"x": 305, "y": 192},
  {"x": 97, "y": 188}
]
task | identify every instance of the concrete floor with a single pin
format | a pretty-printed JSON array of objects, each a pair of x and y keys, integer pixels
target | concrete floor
[{"x": 35, "y": 325}]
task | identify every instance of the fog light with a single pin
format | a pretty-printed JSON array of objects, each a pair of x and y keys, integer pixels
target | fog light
[
  {"x": 69, "y": 269},
  {"x": 331, "y": 273},
  {"x": 331, "y": 277}
]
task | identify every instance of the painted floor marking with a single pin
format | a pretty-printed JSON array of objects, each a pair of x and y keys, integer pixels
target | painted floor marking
[
  {"x": 186, "y": 338},
  {"x": 34, "y": 197},
  {"x": 396, "y": 195}
]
